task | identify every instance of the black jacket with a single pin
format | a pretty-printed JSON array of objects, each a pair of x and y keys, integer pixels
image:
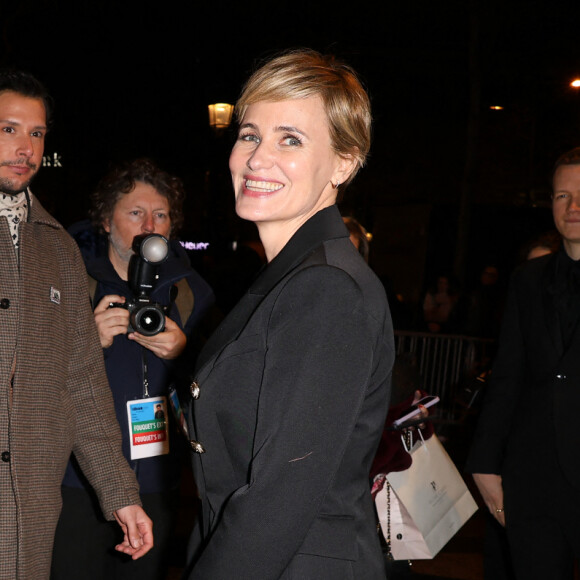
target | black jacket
[
  {"x": 293, "y": 395},
  {"x": 530, "y": 412}
]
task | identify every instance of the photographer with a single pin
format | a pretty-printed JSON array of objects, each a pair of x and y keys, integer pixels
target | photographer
[{"x": 134, "y": 200}]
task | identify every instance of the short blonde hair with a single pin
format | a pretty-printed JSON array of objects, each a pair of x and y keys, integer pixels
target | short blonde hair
[{"x": 303, "y": 73}]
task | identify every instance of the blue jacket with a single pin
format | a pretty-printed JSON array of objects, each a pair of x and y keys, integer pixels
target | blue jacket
[{"x": 124, "y": 364}]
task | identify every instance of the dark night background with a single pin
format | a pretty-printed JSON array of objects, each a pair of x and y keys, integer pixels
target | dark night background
[{"x": 450, "y": 184}]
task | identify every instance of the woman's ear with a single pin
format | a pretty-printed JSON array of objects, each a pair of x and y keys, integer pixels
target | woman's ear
[{"x": 346, "y": 165}]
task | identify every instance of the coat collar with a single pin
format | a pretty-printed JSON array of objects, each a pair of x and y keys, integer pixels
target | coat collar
[
  {"x": 37, "y": 214},
  {"x": 324, "y": 225}
]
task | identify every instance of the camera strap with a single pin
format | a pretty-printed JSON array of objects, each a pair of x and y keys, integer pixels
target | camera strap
[{"x": 145, "y": 372}]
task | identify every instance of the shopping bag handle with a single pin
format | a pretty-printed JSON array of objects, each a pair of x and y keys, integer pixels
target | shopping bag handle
[{"x": 408, "y": 441}]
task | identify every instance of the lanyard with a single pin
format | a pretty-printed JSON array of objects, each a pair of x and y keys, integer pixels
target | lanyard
[{"x": 145, "y": 372}]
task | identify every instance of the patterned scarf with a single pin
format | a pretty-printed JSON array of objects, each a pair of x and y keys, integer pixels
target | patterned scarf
[{"x": 15, "y": 209}]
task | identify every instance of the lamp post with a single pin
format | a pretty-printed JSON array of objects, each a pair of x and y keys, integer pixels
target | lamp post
[
  {"x": 220, "y": 116},
  {"x": 217, "y": 203}
]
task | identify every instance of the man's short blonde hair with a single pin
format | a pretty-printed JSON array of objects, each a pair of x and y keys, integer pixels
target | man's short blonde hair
[{"x": 299, "y": 74}]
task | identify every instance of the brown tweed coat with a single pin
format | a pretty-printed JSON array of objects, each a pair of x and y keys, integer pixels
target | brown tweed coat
[{"x": 59, "y": 400}]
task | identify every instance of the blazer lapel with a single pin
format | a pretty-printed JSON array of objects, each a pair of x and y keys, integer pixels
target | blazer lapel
[
  {"x": 230, "y": 328},
  {"x": 325, "y": 225}
]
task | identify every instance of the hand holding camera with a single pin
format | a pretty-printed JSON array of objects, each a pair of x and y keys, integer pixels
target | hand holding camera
[
  {"x": 110, "y": 321},
  {"x": 115, "y": 315},
  {"x": 168, "y": 344},
  {"x": 145, "y": 316}
]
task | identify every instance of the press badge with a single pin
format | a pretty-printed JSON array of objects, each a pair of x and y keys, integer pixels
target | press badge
[{"x": 148, "y": 427}]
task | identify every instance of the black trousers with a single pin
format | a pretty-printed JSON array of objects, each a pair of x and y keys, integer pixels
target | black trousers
[
  {"x": 542, "y": 515},
  {"x": 497, "y": 564},
  {"x": 84, "y": 545}
]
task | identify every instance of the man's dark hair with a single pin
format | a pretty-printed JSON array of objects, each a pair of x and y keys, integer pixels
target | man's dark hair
[
  {"x": 122, "y": 180},
  {"x": 25, "y": 84}
]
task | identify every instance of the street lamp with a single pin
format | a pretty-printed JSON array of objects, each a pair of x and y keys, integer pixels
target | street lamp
[
  {"x": 220, "y": 116},
  {"x": 217, "y": 203}
]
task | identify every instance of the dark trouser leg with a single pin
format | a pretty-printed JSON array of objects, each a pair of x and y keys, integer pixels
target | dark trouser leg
[
  {"x": 83, "y": 539},
  {"x": 85, "y": 542},
  {"x": 541, "y": 524},
  {"x": 497, "y": 563}
]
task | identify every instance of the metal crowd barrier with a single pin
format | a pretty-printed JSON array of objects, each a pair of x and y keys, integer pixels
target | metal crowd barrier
[{"x": 444, "y": 361}]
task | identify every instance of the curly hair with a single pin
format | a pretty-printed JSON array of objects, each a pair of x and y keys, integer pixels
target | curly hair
[{"x": 122, "y": 180}]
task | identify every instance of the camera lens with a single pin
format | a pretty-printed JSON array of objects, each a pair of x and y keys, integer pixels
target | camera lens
[{"x": 148, "y": 320}]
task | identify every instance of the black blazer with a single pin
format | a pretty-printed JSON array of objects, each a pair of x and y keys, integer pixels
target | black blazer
[
  {"x": 293, "y": 395},
  {"x": 530, "y": 414}
]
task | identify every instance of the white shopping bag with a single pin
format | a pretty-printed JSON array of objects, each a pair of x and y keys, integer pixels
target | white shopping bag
[{"x": 420, "y": 509}]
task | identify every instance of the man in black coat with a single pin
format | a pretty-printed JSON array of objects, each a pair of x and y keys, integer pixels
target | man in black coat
[{"x": 525, "y": 451}]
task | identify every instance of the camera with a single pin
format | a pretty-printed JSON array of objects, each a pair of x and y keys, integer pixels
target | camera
[{"x": 145, "y": 316}]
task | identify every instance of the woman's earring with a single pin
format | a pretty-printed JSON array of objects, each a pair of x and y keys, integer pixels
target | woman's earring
[{"x": 335, "y": 186}]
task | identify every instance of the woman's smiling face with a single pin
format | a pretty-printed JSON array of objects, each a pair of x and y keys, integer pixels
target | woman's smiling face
[{"x": 283, "y": 165}]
